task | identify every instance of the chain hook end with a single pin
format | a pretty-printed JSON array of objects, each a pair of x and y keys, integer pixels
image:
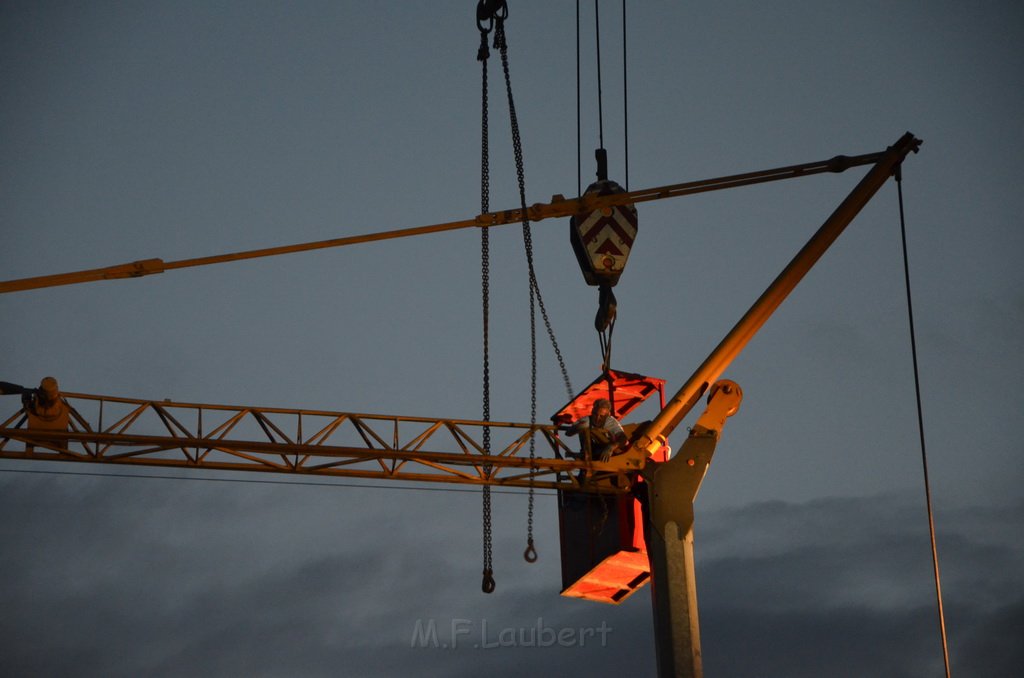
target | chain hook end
[{"x": 488, "y": 583}]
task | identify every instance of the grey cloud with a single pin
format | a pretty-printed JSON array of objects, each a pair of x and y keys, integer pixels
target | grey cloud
[{"x": 217, "y": 584}]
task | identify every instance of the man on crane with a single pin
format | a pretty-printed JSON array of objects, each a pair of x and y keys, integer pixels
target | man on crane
[
  {"x": 600, "y": 433},
  {"x": 44, "y": 408}
]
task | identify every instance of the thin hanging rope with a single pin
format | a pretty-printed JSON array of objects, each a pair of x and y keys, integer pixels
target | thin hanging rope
[
  {"x": 605, "y": 339},
  {"x": 579, "y": 144},
  {"x": 625, "y": 97},
  {"x": 600, "y": 105},
  {"x": 920, "y": 426}
]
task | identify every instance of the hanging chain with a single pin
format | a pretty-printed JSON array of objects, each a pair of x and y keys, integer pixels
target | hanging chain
[
  {"x": 491, "y": 14},
  {"x": 527, "y": 234},
  {"x": 536, "y": 300},
  {"x": 485, "y": 281}
]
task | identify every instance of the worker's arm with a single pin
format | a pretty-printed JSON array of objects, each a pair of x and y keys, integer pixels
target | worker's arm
[
  {"x": 7, "y": 388},
  {"x": 616, "y": 432},
  {"x": 579, "y": 425}
]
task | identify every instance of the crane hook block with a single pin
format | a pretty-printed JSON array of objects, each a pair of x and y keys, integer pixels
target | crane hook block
[{"x": 602, "y": 238}]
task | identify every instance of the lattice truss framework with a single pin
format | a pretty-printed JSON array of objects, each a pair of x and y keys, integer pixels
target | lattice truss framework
[{"x": 112, "y": 430}]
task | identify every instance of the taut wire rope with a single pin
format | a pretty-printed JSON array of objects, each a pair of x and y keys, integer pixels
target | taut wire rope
[{"x": 920, "y": 425}]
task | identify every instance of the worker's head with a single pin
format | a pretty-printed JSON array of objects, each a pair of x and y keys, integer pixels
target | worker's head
[
  {"x": 49, "y": 390},
  {"x": 602, "y": 408}
]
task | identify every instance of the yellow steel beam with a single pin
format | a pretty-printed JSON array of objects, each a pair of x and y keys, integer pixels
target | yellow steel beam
[{"x": 558, "y": 207}]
